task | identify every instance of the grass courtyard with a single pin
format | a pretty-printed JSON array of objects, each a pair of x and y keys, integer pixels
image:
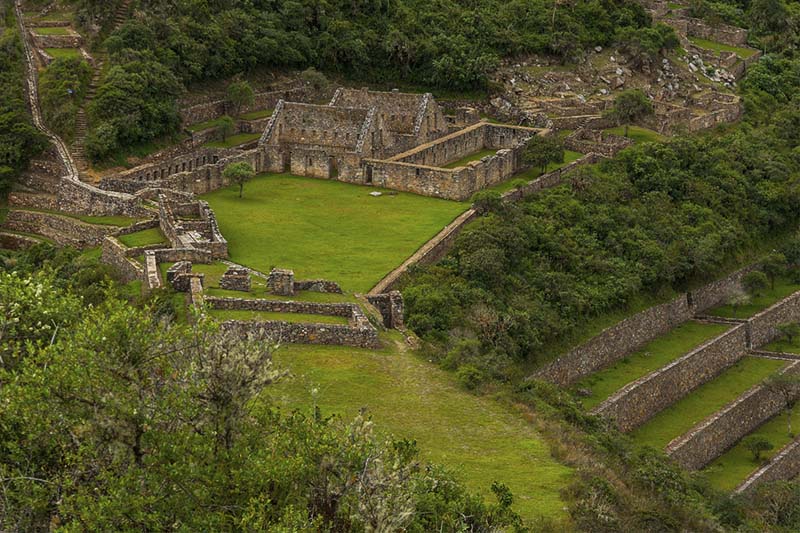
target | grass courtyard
[
  {"x": 63, "y": 53},
  {"x": 637, "y": 133},
  {"x": 326, "y": 229},
  {"x": 706, "y": 400},
  {"x": 476, "y": 437},
  {"x": 471, "y": 157},
  {"x": 52, "y": 31},
  {"x": 653, "y": 356},
  {"x": 143, "y": 238}
]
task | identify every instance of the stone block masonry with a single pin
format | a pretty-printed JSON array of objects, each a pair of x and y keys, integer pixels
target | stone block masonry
[
  {"x": 784, "y": 466},
  {"x": 391, "y": 308},
  {"x": 65, "y": 231},
  {"x": 114, "y": 253},
  {"x": 235, "y": 279},
  {"x": 637, "y": 402},
  {"x": 718, "y": 433},
  {"x": 764, "y": 325}
]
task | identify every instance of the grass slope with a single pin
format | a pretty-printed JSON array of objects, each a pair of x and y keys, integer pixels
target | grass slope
[
  {"x": 326, "y": 229},
  {"x": 705, "y": 400},
  {"x": 476, "y": 437},
  {"x": 783, "y": 288},
  {"x": 653, "y": 356},
  {"x": 733, "y": 467},
  {"x": 52, "y": 31}
]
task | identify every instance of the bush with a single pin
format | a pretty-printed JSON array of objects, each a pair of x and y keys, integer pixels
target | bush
[{"x": 470, "y": 376}]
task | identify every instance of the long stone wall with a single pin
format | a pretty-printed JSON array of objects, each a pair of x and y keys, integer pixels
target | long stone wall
[
  {"x": 637, "y": 402},
  {"x": 763, "y": 326},
  {"x": 627, "y": 336},
  {"x": 718, "y": 433},
  {"x": 346, "y": 310},
  {"x": 784, "y": 466},
  {"x": 262, "y": 100},
  {"x": 63, "y": 230},
  {"x": 301, "y": 333}
]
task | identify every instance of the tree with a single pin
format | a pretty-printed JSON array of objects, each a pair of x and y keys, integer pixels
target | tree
[
  {"x": 645, "y": 45},
  {"x": 755, "y": 282},
  {"x": 789, "y": 331},
  {"x": 240, "y": 94},
  {"x": 757, "y": 444},
  {"x": 787, "y": 387},
  {"x": 630, "y": 106},
  {"x": 543, "y": 150},
  {"x": 226, "y": 127},
  {"x": 773, "y": 266},
  {"x": 239, "y": 173},
  {"x": 738, "y": 299}
]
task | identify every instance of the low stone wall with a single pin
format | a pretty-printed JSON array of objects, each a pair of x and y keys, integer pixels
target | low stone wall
[
  {"x": 391, "y": 308},
  {"x": 763, "y": 326},
  {"x": 73, "y": 40},
  {"x": 63, "y": 230},
  {"x": 346, "y": 310},
  {"x": 592, "y": 141},
  {"x": 317, "y": 285},
  {"x": 173, "y": 255},
  {"x": 137, "y": 227},
  {"x": 33, "y": 201},
  {"x": 11, "y": 241},
  {"x": 116, "y": 254},
  {"x": 298, "y": 333},
  {"x": 550, "y": 179},
  {"x": 784, "y": 466},
  {"x": 78, "y": 197},
  {"x": 718, "y": 433},
  {"x": 637, "y": 402}
]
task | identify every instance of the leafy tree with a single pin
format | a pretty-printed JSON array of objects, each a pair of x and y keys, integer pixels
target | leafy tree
[
  {"x": 787, "y": 387},
  {"x": 62, "y": 88},
  {"x": 226, "y": 127},
  {"x": 790, "y": 331},
  {"x": 541, "y": 151},
  {"x": 314, "y": 78},
  {"x": 239, "y": 95},
  {"x": 755, "y": 282},
  {"x": 773, "y": 266},
  {"x": 756, "y": 445},
  {"x": 630, "y": 106},
  {"x": 737, "y": 300},
  {"x": 768, "y": 16},
  {"x": 645, "y": 45},
  {"x": 239, "y": 173}
]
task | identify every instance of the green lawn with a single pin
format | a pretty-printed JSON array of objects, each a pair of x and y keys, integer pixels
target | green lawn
[
  {"x": 476, "y": 437},
  {"x": 729, "y": 470},
  {"x": 472, "y": 157},
  {"x": 783, "y": 288},
  {"x": 52, "y": 31},
  {"x": 744, "y": 53},
  {"x": 705, "y": 400},
  {"x": 225, "y": 314},
  {"x": 143, "y": 238},
  {"x": 533, "y": 173},
  {"x": 653, "y": 356},
  {"x": 234, "y": 140},
  {"x": 784, "y": 345},
  {"x": 254, "y": 115},
  {"x": 66, "y": 53},
  {"x": 326, "y": 229},
  {"x": 207, "y": 125},
  {"x": 260, "y": 291},
  {"x": 637, "y": 133}
]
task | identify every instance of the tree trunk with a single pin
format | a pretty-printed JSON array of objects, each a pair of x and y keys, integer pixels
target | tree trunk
[
  {"x": 241, "y": 188},
  {"x": 626, "y": 130},
  {"x": 789, "y": 421}
]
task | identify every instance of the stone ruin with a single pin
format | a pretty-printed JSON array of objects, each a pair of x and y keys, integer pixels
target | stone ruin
[
  {"x": 281, "y": 282},
  {"x": 180, "y": 276},
  {"x": 391, "y": 308},
  {"x": 236, "y": 278},
  {"x": 190, "y": 224}
]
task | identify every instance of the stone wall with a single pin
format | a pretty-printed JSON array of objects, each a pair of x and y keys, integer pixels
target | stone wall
[
  {"x": 784, "y": 466},
  {"x": 300, "y": 333},
  {"x": 718, "y": 433},
  {"x": 33, "y": 201},
  {"x": 588, "y": 141},
  {"x": 11, "y": 241},
  {"x": 391, "y": 307},
  {"x": 763, "y": 326},
  {"x": 346, "y": 310},
  {"x": 73, "y": 40},
  {"x": 78, "y": 197},
  {"x": 116, "y": 254},
  {"x": 262, "y": 100},
  {"x": 63, "y": 230},
  {"x": 637, "y": 402},
  {"x": 317, "y": 285},
  {"x": 627, "y": 336}
]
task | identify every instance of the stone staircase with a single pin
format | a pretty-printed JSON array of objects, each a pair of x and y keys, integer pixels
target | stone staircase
[{"x": 121, "y": 14}]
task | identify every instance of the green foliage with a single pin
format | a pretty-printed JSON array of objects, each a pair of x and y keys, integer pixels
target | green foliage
[
  {"x": 646, "y": 45},
  {"x": 541, "y": 151},
  {"x": 19, "y": 139},
  {"x": 226, "y": 127},
  {"x": 756, "y": 445},
  {"x": 62, "y": 88},
  {"x": 239, "y": 173},
  {"x": 755, "y": 282},
  {"x": 630, "y": 106},
  {"x": 789, "y": 331},
  {"x": 240, "y": 94}
]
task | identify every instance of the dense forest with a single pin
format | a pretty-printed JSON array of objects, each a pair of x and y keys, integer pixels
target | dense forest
[{"x": 657, "y": 217}]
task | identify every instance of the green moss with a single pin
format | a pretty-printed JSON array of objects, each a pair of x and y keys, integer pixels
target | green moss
[
  {"x": 705, "y": 400},
  {"x": 472, "y": 157},
  {"x": 476, "y": 437},
  {"x": 783, "y": 288},
  {"x": 261, "y": 292},
  {"x": 730, "y": 469},
  {"x": 143, "y": 238},
  {"x": 326, "y": 229},
  {"x": 653, "y": 356}
]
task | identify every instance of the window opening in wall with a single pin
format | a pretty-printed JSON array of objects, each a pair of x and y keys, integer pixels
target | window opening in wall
[{"x": 369, "y": 174}]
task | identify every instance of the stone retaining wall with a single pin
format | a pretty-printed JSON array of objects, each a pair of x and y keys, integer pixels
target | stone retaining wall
[
  {"x": 116, "y": 254},
  {"x": 718, "y": 433},
  {"x": 73, "y": 40},
  {"x": 299, "y": 333},
  {"x": 784, "y": 466},
  {"x": 345, "y": 310},
  {"x": 11, "y": 241},
  {"x": 637, "y": 402},
  {"x": 78, "y": 197},
  {"x": 63, "y": 230},
  {"x": 263, "y": 100},
  {"x": 33, "y": 201},
  {"x": 763, "y": 326}
]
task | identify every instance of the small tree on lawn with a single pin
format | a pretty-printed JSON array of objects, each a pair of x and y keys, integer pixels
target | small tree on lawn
[
  {"x": 789, "y": 332},
  {"x": 226, "y": 127},
  {"x": 541, "y": 151},
  {"x": 787, "y": 387},
  {"x": 757, "y": 445},
  {"x": 774, "y": 265},
  {"x": 240, "y": 94},
  {"x": 630, "y": 106},
  {"x": 755, "y": 282},
  {"x": 239, "y": 173},
  {"x": 738, "y": 299}
]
